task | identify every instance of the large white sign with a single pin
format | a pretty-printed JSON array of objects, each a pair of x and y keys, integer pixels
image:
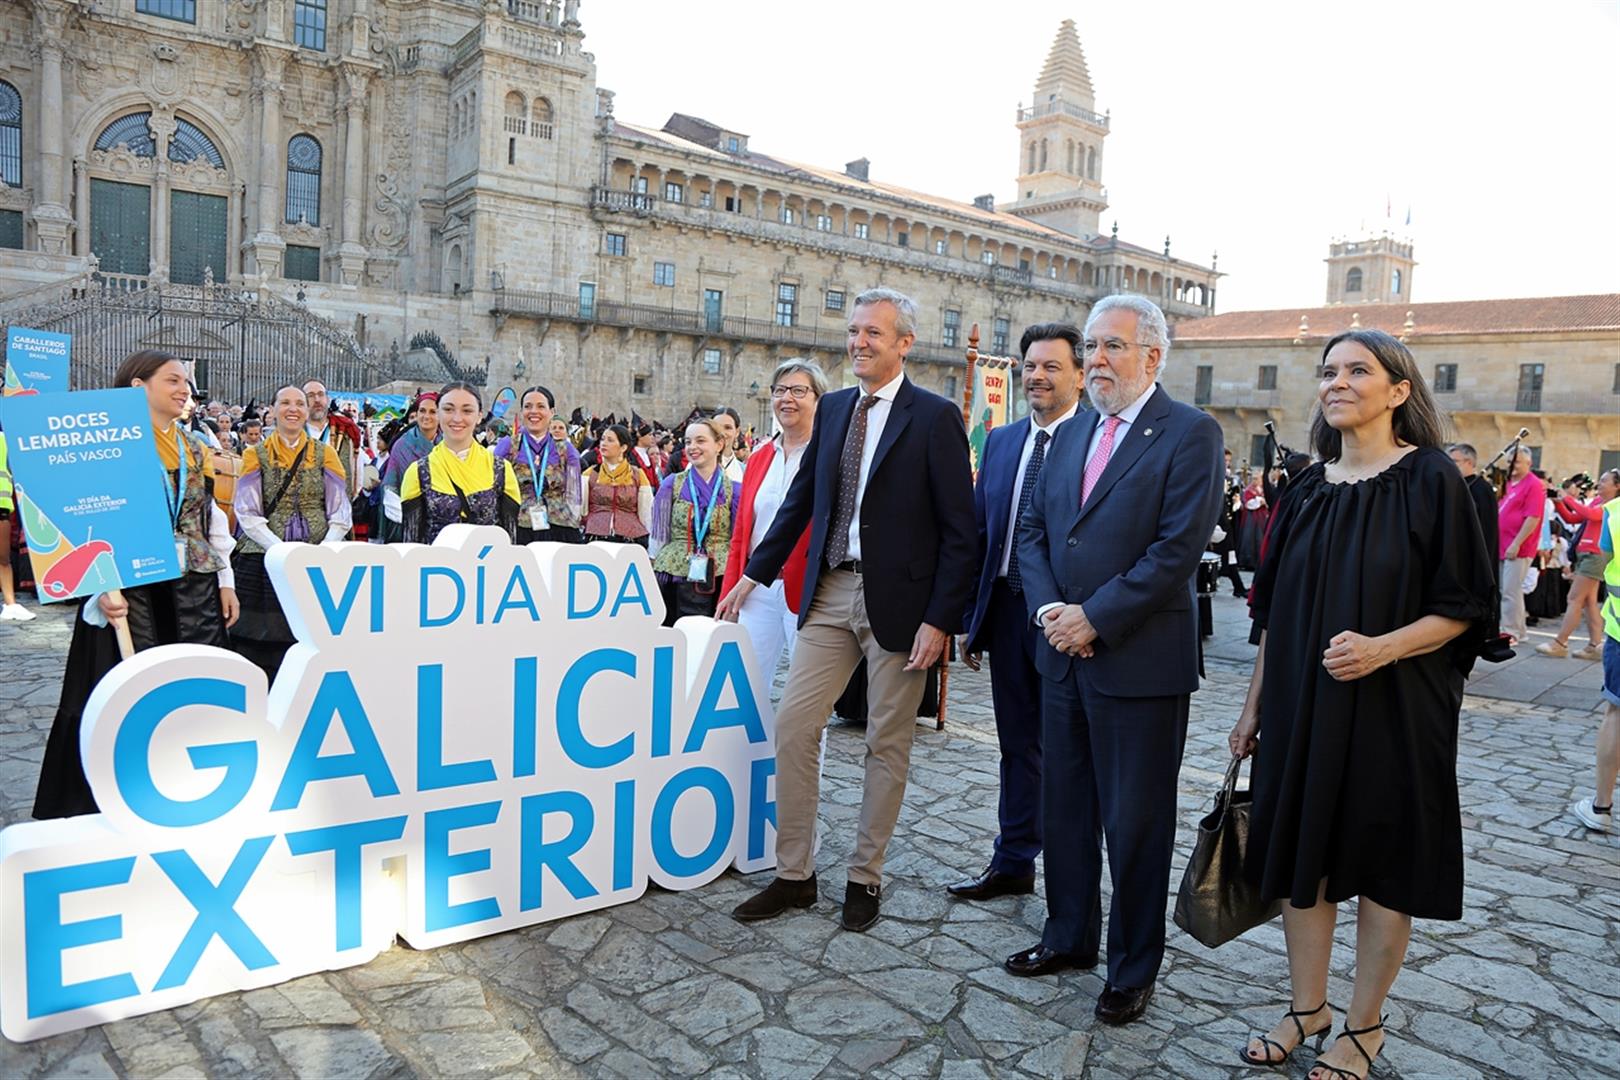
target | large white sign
[{"x": 468, "y": 737}]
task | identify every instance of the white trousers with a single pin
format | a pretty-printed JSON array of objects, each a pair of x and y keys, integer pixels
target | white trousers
[
  {"x": 770, "y": 626},
  {"x": 1513, "y": 613}
]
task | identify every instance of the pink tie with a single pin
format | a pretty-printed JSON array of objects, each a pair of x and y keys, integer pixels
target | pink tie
[{"x": 1099, "y": 459}]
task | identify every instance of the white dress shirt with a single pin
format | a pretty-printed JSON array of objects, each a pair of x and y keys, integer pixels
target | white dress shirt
[
  {"x": 876, "y": 417},
  {"x": 1018, "y": 479},
  {"x": 1127, "y": 417},
  {"x": 773, "y": 490}
]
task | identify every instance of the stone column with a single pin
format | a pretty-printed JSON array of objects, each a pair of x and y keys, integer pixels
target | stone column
[
  {"x": 233, "y": 232},
  {"x": 52, "y": 222},
  {"x": 162, "y": 126},
  {"x": 264, "y": 253},
  {"x": 81, "y": 207},
  {"x": 351, "y": 252}
]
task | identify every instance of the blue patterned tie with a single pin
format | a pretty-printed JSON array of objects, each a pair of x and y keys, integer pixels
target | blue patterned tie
[{"x": 1015, "y": 579}]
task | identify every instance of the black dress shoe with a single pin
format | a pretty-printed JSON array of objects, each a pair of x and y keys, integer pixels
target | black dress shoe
[
  {"x": 1041, "y": 960},
  {"x": 1122, "y": 1004},
  {"x": 991, "y": 884},
  {"x": 775, "y": 898},
  {"x": 861, "y": 904}
]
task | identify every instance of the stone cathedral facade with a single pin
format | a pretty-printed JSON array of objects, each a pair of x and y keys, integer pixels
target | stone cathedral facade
[{"x": 399, "y": 167}]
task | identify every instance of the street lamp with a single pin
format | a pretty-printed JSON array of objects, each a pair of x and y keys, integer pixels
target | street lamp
[{"x": 517, "y": 371}]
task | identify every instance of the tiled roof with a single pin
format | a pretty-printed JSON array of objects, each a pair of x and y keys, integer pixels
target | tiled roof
[
  {"x": 1537, "y": 314},
  {"x": 791, "y": 169}
]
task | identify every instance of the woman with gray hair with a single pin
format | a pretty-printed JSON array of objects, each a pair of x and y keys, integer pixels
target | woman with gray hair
[{"x": 771, "y": 615}]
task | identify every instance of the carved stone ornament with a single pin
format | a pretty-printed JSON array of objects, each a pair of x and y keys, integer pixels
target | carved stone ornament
[
  {"x": 169, "y": 73},
  {"x": 391, "y": 224},
  {"x": 16, "y": 198},
  {"x": 302, "y": 232},
  {"x": 119, "y": 162},
  {"x": 240, "y": 17},
  {"x": 198, "y": 173}
]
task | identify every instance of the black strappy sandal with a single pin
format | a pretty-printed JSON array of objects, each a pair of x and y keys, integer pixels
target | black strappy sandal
[
  {"x": 1328, "y": 1071},
  {"x": 1270, "y": 1044}
]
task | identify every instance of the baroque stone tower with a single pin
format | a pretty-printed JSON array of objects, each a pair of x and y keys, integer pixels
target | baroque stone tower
[
  {"x": 1372, "y": 271},
  {"x": 1061, "y": 144}
]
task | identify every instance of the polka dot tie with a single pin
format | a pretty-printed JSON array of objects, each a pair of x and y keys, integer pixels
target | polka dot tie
[
  {"x": 849, "y": 481},
  {"x": 1026, "y": 494}
]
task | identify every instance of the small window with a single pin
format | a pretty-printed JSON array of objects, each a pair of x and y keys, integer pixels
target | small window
[
  {"x": 953, "y": 327},
  {"x": 587, "y": 300},
  {"x": 1203, "y": 384},
  {"x": 950, "y": 387},
  {"x": 988, "y": 258},
  {"x": 1023, "y": 265},
  {"x": 1268, "y": 377},
  {"x": 1531, "y": 377},
  {"x": 1000, "y": 332},
  {"x": 11, "y": 235},
  {"x": 1445, "y": 378},
  {"x": 1617, "y": 378},
  {"x": 1395, "y": 284},
  {"x": 663, "y": 273},
  {"x": 732, "y": 205},
  {"x": 10, "y": 135},
  {"x": 824, "y": 223},
  {"x": 787, "y": 215},
  {"x": 733, "y": 145},
  {"x": 711, "y": 361},
  {"x": 303, "y": 263},
  {"x": 639, "y": 185},
  {"x": 706, "y": 200},
  {"x": 835, "y": 299},
  {"x": 303, "y": 180},
  {"x": 674, "y": 192},
  {"x": 862, "y": 230},
  {"x": 309, "y": 24},
  {"x": 641, "y": 384},
  {"x": 904, "y": 239},
  {"x": 941, "y": 246},
  {"x": 615, "y": 244},
  {"x": 1352, "y": 280},
  {"x": 1257, "y": 451},
  {"x": 179, "y": 10},
  {"x": 787, "y": 305}
]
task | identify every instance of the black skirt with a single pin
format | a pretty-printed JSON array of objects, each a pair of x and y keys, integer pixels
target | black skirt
[
  {"x": 261, "y": 634},
  {"x": 557, "y": 534},
  {"x": 182, "y": 611}
]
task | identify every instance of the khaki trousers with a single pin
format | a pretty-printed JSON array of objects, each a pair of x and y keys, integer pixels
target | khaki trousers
[{"x": 836, "y": 635}]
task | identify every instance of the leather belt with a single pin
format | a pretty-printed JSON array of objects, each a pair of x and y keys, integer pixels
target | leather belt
[{"x": 852, "y": 565}]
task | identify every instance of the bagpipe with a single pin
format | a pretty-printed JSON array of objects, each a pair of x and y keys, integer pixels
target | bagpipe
[{"x": 1500, "y": 471}]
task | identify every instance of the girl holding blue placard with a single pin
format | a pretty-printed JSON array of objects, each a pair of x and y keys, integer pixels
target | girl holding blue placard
[
  {"x": 550, "y": 508},
  {"x": 195, "y": 608},
  {"x": 459, "y": 481},
  {"x": 691, "y": 525}
]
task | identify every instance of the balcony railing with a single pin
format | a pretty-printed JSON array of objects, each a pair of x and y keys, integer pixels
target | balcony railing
[
  {"x": 1050, "y": 107},
  {"x": 548, "y": 305}
]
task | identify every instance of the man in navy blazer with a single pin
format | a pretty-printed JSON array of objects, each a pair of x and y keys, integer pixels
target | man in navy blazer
[
  {"x": 999, "y": 622},
  {"x": 887, "y": 491},
  {"x": 1121, "y": 514}
]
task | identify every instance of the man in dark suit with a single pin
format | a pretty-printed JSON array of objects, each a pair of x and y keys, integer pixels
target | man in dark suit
[
  {"x": 998, "y": 622},
  {"x": 887, "y": 491},
  {"x": 1108, "y": 551}
]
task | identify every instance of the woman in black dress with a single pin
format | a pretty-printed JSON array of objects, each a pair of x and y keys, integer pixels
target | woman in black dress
[
  {"x": 195, "y": 608},
  {"x": 1373, "y": 599}
]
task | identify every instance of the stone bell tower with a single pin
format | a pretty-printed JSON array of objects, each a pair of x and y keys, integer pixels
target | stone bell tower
[{"x": 1061, "y": 144}]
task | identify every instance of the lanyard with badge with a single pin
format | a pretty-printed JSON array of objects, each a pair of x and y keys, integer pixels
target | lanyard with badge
[
  {"x": 539, "y": 520},
  {"x": 177, "y": 498},
  {"x": 697, "y": 569}
]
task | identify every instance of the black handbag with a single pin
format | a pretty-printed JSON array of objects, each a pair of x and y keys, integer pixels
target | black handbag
[{"x": 1217, "y": 900}]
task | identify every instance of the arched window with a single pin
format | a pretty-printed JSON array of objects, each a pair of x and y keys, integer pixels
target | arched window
[
  {"x": 1031, "y": 158},
  {"x": 1395, "y": 284},
  {"x": 453, "y": 266},
  {"x": 1043, "y": 155},
  {"x": 1352, "y": 280},
  {"x": 10, "y": 135},
  {"x": 1091, "y": 163},
  {"x": 190, "y": 144},
  {"x": 542, "y": 118},
  {"x": 304, "y": 180},
  {"x": 516, "y": 114},
  {"x": 130, "y": 131},
  {"x": 1069, "y": 167}
]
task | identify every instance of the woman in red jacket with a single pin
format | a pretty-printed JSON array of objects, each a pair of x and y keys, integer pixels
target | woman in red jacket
[
  {"x": 770, "y": 616},
  {"x": 1589, "y": 562}
]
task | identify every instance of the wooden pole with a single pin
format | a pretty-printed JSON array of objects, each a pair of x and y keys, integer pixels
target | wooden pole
[{"x": 120, "y": 625}]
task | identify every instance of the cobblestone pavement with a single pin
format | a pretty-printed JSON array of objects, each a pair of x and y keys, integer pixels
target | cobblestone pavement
[{"x": 1524, "y": 985}]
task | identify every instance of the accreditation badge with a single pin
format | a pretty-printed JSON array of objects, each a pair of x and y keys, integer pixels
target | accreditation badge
[
  {"x": 697, "y": 570},
  {"x": 538, "y": 521}
]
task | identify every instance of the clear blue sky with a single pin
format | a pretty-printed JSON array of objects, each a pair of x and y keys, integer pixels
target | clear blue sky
[{"x": 1260, "y": 129}]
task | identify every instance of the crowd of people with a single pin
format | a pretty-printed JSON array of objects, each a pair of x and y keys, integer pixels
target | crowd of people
[{"x": 858, "y": 533}]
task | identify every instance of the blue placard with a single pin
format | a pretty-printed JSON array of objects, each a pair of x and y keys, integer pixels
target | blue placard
[
  {"x": 90, "y": 491},
  {"x": 36, "y": 361}
]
